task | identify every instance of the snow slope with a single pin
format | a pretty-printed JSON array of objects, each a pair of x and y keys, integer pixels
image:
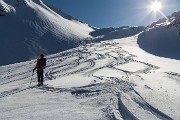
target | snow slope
[
  {"x": 163, "y": 37},
  {"x": 110, "y": 80},
  {"x": 29, "y": 27},
  {"x": 114, "y": 79},
  {"x": 116, "y": 33}
]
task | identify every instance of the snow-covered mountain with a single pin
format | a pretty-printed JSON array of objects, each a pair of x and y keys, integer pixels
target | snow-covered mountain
[
  {"x": 163, "y": 37},
  {"x": 116, "y": 33},
  {"x": 174, "y": 21},
  {"x": 29, "y": 27},
  {"x": 114, "y": 79}
]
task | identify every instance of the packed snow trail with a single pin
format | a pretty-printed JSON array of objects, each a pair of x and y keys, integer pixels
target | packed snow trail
[{"x": 99, "y": 78}]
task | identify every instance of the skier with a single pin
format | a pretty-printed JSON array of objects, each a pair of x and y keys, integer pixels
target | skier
[{"x": 40, "y": 66}]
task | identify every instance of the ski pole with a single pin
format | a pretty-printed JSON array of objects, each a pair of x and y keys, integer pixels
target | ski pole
[{"x": 31, "y": 78}]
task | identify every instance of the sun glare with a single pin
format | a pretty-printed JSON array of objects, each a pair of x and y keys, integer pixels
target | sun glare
[{"x": 156, "y": 6}]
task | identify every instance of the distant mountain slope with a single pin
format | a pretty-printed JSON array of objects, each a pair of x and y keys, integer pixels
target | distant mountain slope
[
  {"x": 163, "y": 37},
  {"x": 29, "y": 27},
  {"x": 116, "y": 33}
]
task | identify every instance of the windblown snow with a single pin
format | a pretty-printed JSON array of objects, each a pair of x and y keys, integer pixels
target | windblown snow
[
  {"x": 126, "y": 73},
  {"x": 29, "y": 28}
]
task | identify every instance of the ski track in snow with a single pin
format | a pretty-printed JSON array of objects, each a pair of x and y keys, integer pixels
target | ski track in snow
[
  {"x": 174, "y": 76},
  {"x": 87, "y": 61}
]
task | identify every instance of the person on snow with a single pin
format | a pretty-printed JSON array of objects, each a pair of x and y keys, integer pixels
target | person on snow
[{"x": 40, "y": 66}]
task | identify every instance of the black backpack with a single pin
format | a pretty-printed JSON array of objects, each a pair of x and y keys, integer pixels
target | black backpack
[{"x": 43, "y": 64}]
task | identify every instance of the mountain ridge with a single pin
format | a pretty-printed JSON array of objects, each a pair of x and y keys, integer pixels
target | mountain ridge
[
  {"x": 31, "y": 27},
  {"x": 35, "y": 28},
  {"x": 162, "y": 38}
]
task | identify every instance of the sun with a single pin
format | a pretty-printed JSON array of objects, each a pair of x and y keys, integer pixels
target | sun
[{"x": 156, "y": 6}]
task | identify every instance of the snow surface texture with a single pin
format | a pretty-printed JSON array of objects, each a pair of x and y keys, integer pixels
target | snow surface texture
[
  {"x": 29, "y": 27},
  {"x": 163, "y": 37},
  {"x": 110, "y": 80}
]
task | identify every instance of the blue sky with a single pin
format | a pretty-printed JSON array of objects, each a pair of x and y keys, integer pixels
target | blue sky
[{"x": 114, "y": 13}]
